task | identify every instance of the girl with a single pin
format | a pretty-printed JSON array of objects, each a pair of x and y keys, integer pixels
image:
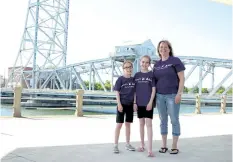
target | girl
[
  {"x": 124, "y": 88},
  {"x": 143, "y": 101}
]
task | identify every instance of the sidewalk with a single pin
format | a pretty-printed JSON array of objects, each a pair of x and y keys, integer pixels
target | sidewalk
[{"x": 66, "y": 139}]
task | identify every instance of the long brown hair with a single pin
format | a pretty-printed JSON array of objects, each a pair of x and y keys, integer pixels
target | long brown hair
[{"x": 169, "y": 46}]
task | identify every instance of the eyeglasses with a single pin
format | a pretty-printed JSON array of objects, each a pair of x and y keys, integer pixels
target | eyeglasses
[{"x": 128, "y": 67}]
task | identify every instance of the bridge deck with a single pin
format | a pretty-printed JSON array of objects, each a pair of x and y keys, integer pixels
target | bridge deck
[{"x": 204, "y": 138}]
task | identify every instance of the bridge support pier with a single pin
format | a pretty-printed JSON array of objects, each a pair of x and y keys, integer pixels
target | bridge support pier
[
  {"x": 198, "y": 104},
  {"x": 79, "y": 103},
  {"x": 17, "y": 102},
  {"x": 223, "y": 104}
]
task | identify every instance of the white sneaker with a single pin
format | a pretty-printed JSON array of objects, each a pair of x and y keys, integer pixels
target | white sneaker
[
  {"x": 129, "y": 147},
  {"x": 115, "y": 149}
]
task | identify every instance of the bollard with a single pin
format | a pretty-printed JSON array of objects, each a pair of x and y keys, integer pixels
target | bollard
[
  {"x": 17, "y": 101},
  {"x": 223, "y": 104},
  {"x": 198, "y": 104},
  {"x": 79, "y": 103}
]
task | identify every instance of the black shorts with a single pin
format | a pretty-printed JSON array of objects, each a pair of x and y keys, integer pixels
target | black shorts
[
  {"x": 143, "y": 113},
  {"x": 127, "y": 114}
]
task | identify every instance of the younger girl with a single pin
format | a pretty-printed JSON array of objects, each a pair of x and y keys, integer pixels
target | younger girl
[
  {"x": 124, "y": 88},
  {"x": 143, "y": 101}
]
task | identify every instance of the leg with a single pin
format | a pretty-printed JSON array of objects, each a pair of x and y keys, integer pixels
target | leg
[
  {"x": 149, "y": 134},
  {"x": 119, "y": 121},
  {"x": 127, "y": 132},
  {"x": 142, "y": 131},
  {"x": 140, "y": 112},
  {"x": 117, "y": 132},
  {"x": 128, "y": 121},
  {"x": 162, "y": 110},
  {"x": 173, "y": 111}
]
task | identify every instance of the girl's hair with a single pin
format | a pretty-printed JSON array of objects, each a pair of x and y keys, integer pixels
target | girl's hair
[
  {"x": 146, "y": 56},
  {"x": 169, "y": 46},
  {"x": 125, "y": 62}
]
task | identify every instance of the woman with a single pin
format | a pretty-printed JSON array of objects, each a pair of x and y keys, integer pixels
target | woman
[{"x": 169, "y": 74}]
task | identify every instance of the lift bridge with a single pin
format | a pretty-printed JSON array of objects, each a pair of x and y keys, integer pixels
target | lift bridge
[{"x": 41, "y": 60}]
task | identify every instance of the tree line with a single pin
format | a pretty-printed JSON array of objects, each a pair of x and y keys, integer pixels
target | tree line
[
  {"x": 107, "y": 85},
  {"x": 205, "y": 90}
]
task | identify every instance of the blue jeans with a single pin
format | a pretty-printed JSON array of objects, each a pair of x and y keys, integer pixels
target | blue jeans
[{"x": 166, "y": 106}]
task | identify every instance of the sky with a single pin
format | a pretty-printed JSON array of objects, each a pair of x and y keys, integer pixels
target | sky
[{"x": 194, "y": 27}]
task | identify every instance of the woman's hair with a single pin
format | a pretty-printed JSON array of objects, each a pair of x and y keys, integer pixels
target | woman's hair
[
  {"x": 146, "y": 56},
  {"x": 169, "y": 46},
  {"x": 125, "y": 62}
]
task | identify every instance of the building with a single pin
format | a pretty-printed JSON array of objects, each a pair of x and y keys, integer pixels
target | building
[{"x": 26, "y": 78}]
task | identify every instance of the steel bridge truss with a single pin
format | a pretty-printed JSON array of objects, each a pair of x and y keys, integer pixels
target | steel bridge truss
[
  {"x": 71, "y": 76},
  {"x": 41, "y": 60},
  {"x": 44, "y": 41}
]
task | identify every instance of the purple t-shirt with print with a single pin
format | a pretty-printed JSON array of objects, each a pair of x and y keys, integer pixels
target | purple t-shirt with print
[
  {"x": 165, "y": 73},
  {"x": 126, "y": 87},
  {"x": 143, "y": 86}
]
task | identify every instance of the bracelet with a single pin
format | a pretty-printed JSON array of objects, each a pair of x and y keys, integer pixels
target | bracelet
[{"x": 134, "y": 103}]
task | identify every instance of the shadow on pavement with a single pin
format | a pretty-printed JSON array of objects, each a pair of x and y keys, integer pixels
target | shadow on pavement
[{"x": 200, "y": 149}]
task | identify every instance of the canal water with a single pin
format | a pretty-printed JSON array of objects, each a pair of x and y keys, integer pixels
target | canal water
[{"x": 6, "y": 110}]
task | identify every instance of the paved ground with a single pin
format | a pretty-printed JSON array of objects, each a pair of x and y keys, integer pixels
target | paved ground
[{"x": 66, "y": 139}]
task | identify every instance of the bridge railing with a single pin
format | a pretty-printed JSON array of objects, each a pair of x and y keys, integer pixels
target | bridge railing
[
  {"x": 79, "y": 100},
  {"x": 90, "y": 92}
]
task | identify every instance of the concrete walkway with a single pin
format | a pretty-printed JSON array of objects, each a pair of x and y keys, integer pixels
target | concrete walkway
[{"x": 66, "y": 139}]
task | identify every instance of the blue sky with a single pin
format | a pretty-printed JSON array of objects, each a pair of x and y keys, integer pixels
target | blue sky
[{"x": 194, "y": 27}]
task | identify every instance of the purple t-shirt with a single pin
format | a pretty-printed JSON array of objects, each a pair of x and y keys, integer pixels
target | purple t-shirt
[
  {"x": 143, "y": 86},
  {"x": 126, "y": 87},
  {"x": 165, "y": 73}
]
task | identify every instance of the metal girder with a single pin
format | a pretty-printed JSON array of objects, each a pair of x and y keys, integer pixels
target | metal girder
[
  {"x": 61, "y": 82},
  {"x": 220, "y": 84},
  {"x": 227, "y": 89},
  {"x": 81, "y": 82},
  {"x": 190, "y": 72},
  {"x": 200, "y": 81},
  {"x": 101, "y": 82},
  {"x": 44, "y": 40},
  {"x": 200, "y": 77}
]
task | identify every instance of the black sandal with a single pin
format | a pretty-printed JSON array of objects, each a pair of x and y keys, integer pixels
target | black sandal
[
  {"x": 163, "y": 150},
  {"x": 174, "y": 151}
]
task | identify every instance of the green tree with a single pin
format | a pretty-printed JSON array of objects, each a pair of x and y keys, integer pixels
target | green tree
[
  {"x": 185, "y": 90},
  {"x": 195, "y": 89},
  {"x": 229, "y": 91},
  {"x": 204, "y": 90},
  {"x": 86, "y": 84},
  {"x": 220, "y": 90},
  {"x": 107, "y": 85},
  {"x": 98, "y": 86}
]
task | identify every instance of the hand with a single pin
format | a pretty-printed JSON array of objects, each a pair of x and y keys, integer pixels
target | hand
[
  {"x": 177, "y": 98},
  {"x": 135, "y": 107},
  {"x": 120, "y": 108},
  {"x": 149, "y": 106}
]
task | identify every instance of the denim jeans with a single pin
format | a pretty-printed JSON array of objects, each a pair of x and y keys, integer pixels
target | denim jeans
[{"x": 166, "y": 106}]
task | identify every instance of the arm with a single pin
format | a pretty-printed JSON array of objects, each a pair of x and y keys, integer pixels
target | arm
[
  {"x": 135, "y": 106},
  {"x": 152, "y": 95},
  {"x": 134, "y": 101},
  {"x": 119, "y": 106},
  {"x": 181, "y": 83},
  {"x": 118, "y": 98}
]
